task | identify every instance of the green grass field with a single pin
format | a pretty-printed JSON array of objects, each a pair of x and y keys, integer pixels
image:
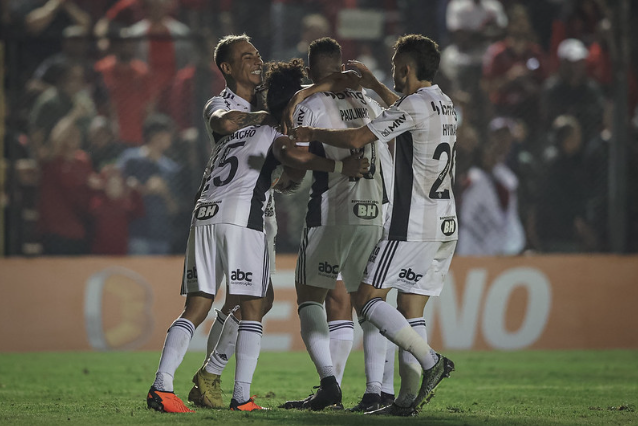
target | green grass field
[{"x": 487, "y": 388}]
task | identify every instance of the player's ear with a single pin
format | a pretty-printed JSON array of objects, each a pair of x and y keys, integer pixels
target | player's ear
[
  {"x": 343, "y": 67},
  {"x": 226, "y": 68},
  {"x": 404, "y": 70}
]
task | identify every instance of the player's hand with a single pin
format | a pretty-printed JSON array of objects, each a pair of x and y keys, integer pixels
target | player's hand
[
  {"x": 340, "y": 81},
  {"x": 355, "y": 166},
  {"x": 301, "y": 134},
  {"x": 367, "y": 79}
]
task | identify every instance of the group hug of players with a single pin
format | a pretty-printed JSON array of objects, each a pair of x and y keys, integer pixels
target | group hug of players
[{"x": 381, "y": 215}]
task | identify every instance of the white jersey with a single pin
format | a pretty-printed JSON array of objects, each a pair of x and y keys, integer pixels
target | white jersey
[
  {"x": 336, "y": 199},
  {"x": 238, "y": 178},
  {"x": 227, "y": 100},
  {"x": 424, "y": 125},
  {"x": 385, "y": 157}
]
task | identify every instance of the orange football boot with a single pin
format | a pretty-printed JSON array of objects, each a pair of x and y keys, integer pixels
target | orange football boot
[{"x": 166, "y": 402}]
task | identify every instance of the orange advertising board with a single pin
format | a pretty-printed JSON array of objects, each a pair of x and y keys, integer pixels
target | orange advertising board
[{"x": 125, "y": 303}]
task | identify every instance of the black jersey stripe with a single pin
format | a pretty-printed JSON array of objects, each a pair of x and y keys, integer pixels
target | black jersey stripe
[
  {"x": 403, "y": 182},
  {"x": 384, "y": 197},
  {"x": 319, "y": 186},
  {"x": 258, "y": 200}
]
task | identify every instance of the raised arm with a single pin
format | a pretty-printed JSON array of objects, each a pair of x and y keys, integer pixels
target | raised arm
[
  {"x": 227, "y": 122},
  {"x": 335, "y": 82},
  {"x": 369, "y": 81},
  {"x": 340, "y": 138}
]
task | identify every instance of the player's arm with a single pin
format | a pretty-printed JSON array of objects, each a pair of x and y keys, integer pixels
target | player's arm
[
  {"x": 335, "y": 82},
  {"x": 340, "y": 138},
  {"x": 369, "y": 81},
  {"x": 290, "y": 155},
  {"x": 227, "y": 122}
]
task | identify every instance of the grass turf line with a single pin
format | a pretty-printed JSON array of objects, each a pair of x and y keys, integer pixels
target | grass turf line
[{"x": 487, "y": 388}]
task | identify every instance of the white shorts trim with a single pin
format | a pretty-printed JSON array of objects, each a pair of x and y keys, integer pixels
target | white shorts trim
[
  {"x": 417, "y": 267},
  {"x": 223, "y": 250}
]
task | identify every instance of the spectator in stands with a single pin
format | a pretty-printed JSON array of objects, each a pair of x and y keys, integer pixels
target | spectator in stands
[
  {"x": 489, "y": 222},
  {"x": 313, "y": 27},
  {"x": 156, "y": 174},
  {"x": 45, "y": 20},
  {"x": 481, "y": 18},
  {"x": 600, "y": 66},
  {"x": 66, "y": 185},
  {"x": 514, "y": 70},
  {"x": 472, "y": 26},
  {"x": 75, "y": 47},
  {"x": 578, "y": 19},
  {"x": 164, "y": 45},
  {"x": 128, "y": 84},
  {"x": 112, "y": 209},
  {"x": 103, "y": 146},
  {"x": 193, "y": 87},
  {"x": 572, "y": 92},
  {"x": 67, "y": 99},
  {"x": 560, "y": 216}
]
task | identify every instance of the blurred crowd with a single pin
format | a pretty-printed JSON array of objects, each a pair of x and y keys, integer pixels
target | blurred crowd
[{"x": 105, "y": 144}]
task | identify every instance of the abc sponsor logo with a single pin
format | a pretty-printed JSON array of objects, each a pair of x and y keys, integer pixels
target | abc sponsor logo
[
  {"x": 448, "y": 227},
  {"x": 206, "y": 211},
  {"x": 328, "y": 270},
  {"x": 366, "y": 211},
  {"x": 408, "y": 275},
  {"x": 191, "y": 274},
  {"x": 239, "y": 275}
]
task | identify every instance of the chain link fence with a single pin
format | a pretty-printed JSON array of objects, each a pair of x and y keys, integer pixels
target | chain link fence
[{"x": 104, "y": 145}]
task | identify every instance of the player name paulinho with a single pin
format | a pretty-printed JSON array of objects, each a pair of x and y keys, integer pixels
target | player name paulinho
[{"x": 353, "y": 113}]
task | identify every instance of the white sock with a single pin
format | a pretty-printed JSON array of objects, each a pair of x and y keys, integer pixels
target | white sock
[
  {"x": 341, "y": 337},
  {"x": 396, "y": 328},
  {"x": 315, "y": 334},
  {"x": 410, "y": 369},
  {"x": 388, "y": 369},
  {"x": 177, "y": 339},
  {"x": 215, "y": 332},
  {"x": 247, "y": 354},
  {"x": 225, "y": 346},
  {"x": 374, "y": 346}
]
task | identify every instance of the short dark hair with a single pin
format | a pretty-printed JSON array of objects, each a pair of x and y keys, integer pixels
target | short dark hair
[
  {"x": 323, "y": 47},
  {"x": 223, "y": 48},
  {"x": 283, "y": 79},
  {"x": 423, "y": 51},
  {"x": 156, "y": 123}
]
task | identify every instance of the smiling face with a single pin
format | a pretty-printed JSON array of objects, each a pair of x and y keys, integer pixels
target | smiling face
[{"x": 245, "y": 66}]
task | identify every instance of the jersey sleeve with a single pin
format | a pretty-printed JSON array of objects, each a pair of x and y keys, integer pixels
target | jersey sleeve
[
  {"x": 303, "y": 116},
  {"x": 391, "y": 123},
  {"x": 213, "y": 105},
  {"x": 375, "y": 108}
]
